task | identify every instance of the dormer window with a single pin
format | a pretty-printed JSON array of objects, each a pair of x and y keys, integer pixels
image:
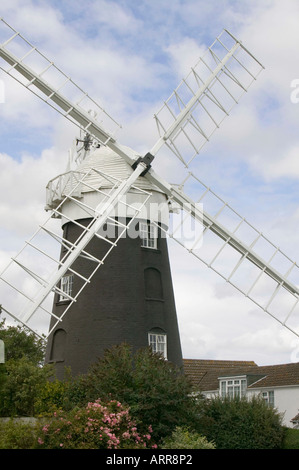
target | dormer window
[{"x": 233, "y": 387}]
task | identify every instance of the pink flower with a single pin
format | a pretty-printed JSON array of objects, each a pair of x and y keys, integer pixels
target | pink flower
[{"x": 40, "y": 441}]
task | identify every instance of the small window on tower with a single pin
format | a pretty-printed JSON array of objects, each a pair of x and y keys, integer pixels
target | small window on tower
[
  {"x": 148, "y": 235},
  {"x": 157, "y": 342},
  {"x": 66, "y": 287}
]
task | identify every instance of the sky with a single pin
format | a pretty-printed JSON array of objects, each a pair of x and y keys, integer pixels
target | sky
[{"x": 130, "y": 55}]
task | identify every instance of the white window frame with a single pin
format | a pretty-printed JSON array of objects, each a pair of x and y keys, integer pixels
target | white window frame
[
  {"x": 268, "y": 397},
  {"x": 158, "y": 343},
  {"x": 149, "y": 235},
  {"x": 233, "y": 387},
  {"x": 66, "y": 286}
]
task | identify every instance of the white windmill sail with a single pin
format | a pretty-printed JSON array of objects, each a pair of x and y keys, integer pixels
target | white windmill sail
[
  {"x": 190, "y": 116},
  {"x": 202, "y": 100},
  {"x": 236, "y": 250},
  {"x": 26, "y": 64}
]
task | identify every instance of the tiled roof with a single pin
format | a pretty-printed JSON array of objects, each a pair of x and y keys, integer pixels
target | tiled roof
[
  {"x": 204, "y": 374},
  {"x": 278, "y": 375}
]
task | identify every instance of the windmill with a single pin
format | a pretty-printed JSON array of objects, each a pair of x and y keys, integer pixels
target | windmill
[{"x": 112, "y": 282}]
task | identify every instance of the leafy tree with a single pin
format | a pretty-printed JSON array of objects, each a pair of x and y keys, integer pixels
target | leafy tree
[
  {"x": 21, "y": 375},
  {"x": 156, "y": 391},
  {"x": 21, "y": 342},
  {"x": 20, "y": 387}
]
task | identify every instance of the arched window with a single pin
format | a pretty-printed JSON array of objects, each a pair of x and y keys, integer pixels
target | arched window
[
  {"x": 58, "y": 346},
  {"x": 157, "y": 339},
  {"x": 153, "y": 284}
]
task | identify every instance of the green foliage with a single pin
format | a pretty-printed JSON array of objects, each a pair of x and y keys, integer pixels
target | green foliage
[
  {"x": 22, "y": 375},
  {"x": 99, "y": 425},
  {"x": 184, "y": 438},
  {"x": 21, "y": 342},
  {"x": 157, "y": 393},
  {"x": 154, "y": 395},
  {"x": 50, "y": 397},
  {"x": 20, "y": 387},
  {"x": 291, "y": 439},
  {"x": 17, "y": 435},
  {"x": 242, "y": 424}
]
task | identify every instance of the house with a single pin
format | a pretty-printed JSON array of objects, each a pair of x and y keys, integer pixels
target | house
[{"x": 277, "y": 384}]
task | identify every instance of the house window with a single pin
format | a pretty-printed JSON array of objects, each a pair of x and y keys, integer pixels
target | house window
[
  {"x": 269, "y": 397},
  {"x": 158, "y": 343},
  {"x": 66, "y": 287},
  {"x": 233, "y": 388},
  {"x": 148, "y": 235}
]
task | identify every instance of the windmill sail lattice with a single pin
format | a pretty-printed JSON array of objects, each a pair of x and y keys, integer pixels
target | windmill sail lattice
[
  {"x": 185, "y": 123},
  {"x": 242, "y": 255},
  {"x": 203, "y": 99}
]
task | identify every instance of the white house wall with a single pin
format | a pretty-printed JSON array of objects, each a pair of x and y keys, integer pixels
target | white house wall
[{"x": 286, "y": 401}]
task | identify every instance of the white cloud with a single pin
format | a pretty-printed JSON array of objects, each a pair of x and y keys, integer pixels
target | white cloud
[
  {"x": 22, "y": 189},
  {"x": 184, "y": 55},
  {"x": 115, "y": 17}
]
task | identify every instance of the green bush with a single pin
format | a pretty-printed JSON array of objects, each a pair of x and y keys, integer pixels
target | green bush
[
  {"x": 50, "y": 397},
  {"x": 99, "y": 425},
  {"x": 16, "y": 434},
  {"x": 240, "y": 423},
  {"x": 291, "y": 439},
  {"x": 19, "y": 387},
  {"x": 184, "y": 438}
]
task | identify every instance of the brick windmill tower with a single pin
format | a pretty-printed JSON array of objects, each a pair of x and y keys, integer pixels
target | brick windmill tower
[{"x": 130, "y": 299}]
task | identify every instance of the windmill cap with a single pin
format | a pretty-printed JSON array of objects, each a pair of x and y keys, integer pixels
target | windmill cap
[{"x": 104, "y": 161}]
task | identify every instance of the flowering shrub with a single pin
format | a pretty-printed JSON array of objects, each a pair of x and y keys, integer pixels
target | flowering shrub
[{"x": 97, "y": 426}]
